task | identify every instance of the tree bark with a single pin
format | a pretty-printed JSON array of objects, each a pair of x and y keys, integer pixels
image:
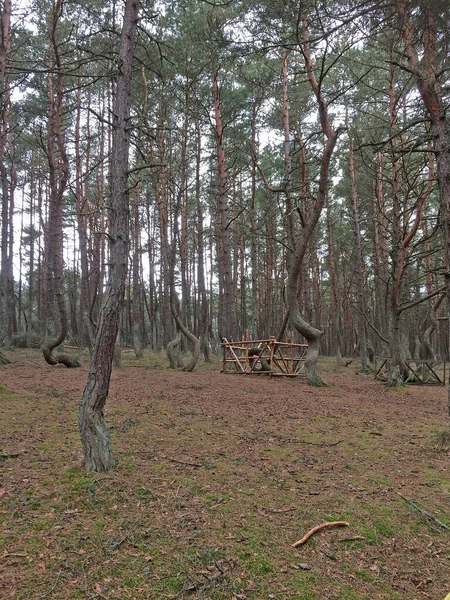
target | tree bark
[{"x": 95, "y": 436}]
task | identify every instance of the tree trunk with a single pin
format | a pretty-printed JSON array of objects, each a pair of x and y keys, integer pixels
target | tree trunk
[
  {"x": 136, "y": 312},
  {"x": 227, "y": 323},
  {"x": 203, "y": 300},
  {"x": 380, "y": 257},
  {"x": 398, "y": 371},
  {"x": 253, "y": 232},
  {"x": 358, "y": 264},
  {"x": 8, "y": 184},
  {"x": 83, "y": 210},
  {"x": 95, "y": 437}
]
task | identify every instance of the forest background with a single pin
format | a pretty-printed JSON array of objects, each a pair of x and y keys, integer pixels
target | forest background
[{"x": 288, "y": 170}]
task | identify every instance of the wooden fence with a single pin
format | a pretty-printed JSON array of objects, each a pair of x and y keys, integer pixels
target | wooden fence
[
  {"x": 420, "y": 372},
  {"x": 256, "y": 357}
]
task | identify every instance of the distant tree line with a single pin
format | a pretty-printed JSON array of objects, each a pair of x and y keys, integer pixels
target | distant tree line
[{"x": 288, "y": 171}]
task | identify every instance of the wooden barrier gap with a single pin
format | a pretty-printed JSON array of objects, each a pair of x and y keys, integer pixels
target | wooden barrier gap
[{"x": 256, "y": 357}]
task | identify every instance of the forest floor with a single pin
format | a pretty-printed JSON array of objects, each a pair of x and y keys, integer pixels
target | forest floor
[{"x": 217, "y": 476}]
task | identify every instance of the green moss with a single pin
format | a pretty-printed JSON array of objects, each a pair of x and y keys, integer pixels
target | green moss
[
  {"x": 365, "y": 575},
  {"x": 40, "y": 524}
]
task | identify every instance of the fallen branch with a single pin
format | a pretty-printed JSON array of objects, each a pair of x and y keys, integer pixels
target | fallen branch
[
  {"x": 425, "y": 513},
  {"x": 317, "y": 528}
]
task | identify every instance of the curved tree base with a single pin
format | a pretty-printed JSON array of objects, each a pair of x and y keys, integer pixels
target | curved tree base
[
  {"x": 256, "y": 352},
  {"x": 313, "y": 337},
  {"x": 98, "y": 456},
  {"x": 365, "y": 370},
  {"x": 314, "y": 379},
  {"x": 396, "y": 378},
  {"x": 195, "y": 344},
  {"x": 173, "y": 352},
  {"x": 58, "y": 359}
]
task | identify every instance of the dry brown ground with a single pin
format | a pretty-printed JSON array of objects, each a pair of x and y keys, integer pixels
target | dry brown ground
[{"x": 217, "y": 476}]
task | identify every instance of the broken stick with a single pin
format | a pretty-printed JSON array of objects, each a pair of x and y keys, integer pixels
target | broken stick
[
  {"x": 317, "y": 528},
  {"x": 426, "y": 514}
]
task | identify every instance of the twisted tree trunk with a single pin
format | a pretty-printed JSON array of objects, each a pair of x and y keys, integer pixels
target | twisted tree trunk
[
  {"x": 58, "y": 163},
  {"x": 95, "y": 437}
]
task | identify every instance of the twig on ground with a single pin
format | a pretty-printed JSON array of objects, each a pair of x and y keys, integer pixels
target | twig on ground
[
  {"x": 425, "y": 513},
  {"x": 325, "y": 444},
  {"x": 4, "y": 456},
  {"x": 20, "y": 554},
  {"x": 317, "y": 528},
  {"x": 53, "y": 588},
  {"x": 183, "y": 462}
]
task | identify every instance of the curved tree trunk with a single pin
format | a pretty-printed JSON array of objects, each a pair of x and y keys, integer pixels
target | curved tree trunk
[
  {"x": 427, "y": 348},
  {"x": 310, "y": 333},
  {"x": 47, "y": 349},
  {"x": 194, "y": 341},
  {"x": 299, "y": 242},
  {"x": 58, "y": 163},
  {"x": 173, "y": 352},
  {"x": 95, "y": 436}
]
